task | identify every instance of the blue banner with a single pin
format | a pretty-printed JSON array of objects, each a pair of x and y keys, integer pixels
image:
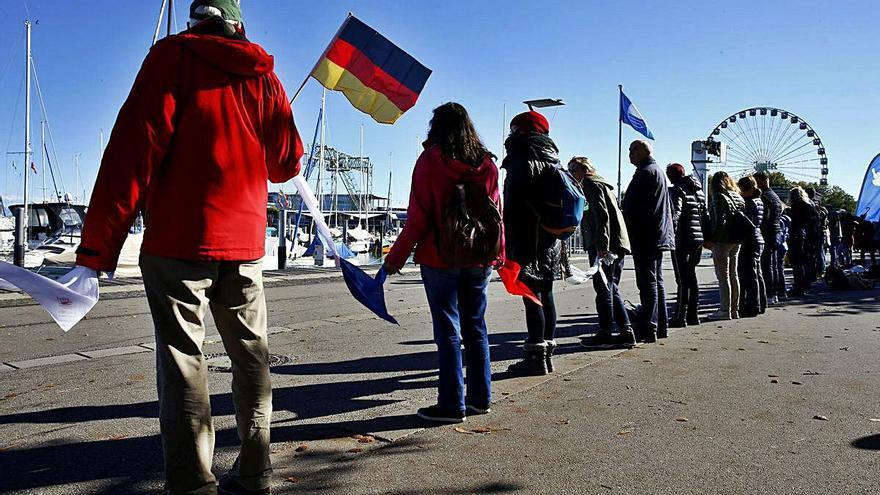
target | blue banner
[
  {"x": 869, "y": 197},
  {"x": 630, "y": 116}
]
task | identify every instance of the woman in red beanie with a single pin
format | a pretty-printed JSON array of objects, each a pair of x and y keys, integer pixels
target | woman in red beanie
[{"x": 530, "y": 154}]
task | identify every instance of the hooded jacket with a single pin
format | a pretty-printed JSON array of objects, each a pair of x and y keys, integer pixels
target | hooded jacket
[
  {"x": 537, "y": 251},
  {"x": 207, "y": 123},
  {"x": 648, "y": 210},
  {"x": 688, "y": 212},
  {"x": 603, "y": 227},
  {"x": 434, "y": 177}
]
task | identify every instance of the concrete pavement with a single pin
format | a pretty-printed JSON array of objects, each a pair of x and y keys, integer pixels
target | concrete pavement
[{"x": 698, "y": 414}]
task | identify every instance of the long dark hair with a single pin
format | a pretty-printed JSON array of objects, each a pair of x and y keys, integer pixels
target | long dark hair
[{"x": 452, "y": 130}]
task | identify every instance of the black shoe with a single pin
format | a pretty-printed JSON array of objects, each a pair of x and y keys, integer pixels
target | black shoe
[
  {"x": 662, "y": 334},
  {"x": 627, "y": 338},
  {"x": 677, "y": 323},
  {"x": 650, "y": 336},
  {"x": 472, "y": 409},
  {"x": 601, "y": 338},
  {"x": 434, "y": 413},
  {"x": 748, "y": 314},
  {"x": 229, "y": 486}
]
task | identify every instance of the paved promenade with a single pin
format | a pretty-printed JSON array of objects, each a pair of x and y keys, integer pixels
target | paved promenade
[{"x": 787, "y": 403}]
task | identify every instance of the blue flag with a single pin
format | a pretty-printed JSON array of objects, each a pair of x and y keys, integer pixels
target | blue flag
[
  {"x": 368, "y": 291},
  {"x": 869, "y": 197},
  {"x": 630, "y": 116}
]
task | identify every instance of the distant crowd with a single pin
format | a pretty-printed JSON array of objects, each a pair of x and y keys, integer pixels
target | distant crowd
[{"x": 460, "y": 228}]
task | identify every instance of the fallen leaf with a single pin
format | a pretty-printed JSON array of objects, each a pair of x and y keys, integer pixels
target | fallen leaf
[
  {"x": 625, "y": 431},
  {"x": 137, "y": 377},
  {"x": 820, "y": 417},
  {"x": 366, "y": 440},
  {"x": 843, "y": 349},
  {"x": 740, "y": 349},
  {"x": 116, "y": 437},
  {"x": 827, "y": 336},
  {"x": 811, "y": 373},
  {"x": 355, "y": 450},
  {"x": 301, "y": 448},
  {"x": 462, "y": 430},
  {"x": 292, "y": 479},
  {"x": 482, "y": 429},
  {"x": 694, "y": 349},
  {"x": 682, "y": 420},
  {"x": 763, "y": 342},
  {"x": 10, "y": 395},
  {"x": 876, "y": 420},
  {"x": 773, "y": 376}
]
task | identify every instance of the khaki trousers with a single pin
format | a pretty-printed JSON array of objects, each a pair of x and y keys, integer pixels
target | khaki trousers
[
  {"x": 180, "y": 293},
  {"x": 725, "y": 257}
]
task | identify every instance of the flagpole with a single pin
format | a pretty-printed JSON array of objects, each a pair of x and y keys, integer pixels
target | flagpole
[
  {"x": 323, "y": 54},
  {"x": 619, "y": 143}
]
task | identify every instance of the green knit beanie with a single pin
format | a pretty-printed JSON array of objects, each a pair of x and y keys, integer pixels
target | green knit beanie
[{"x": 228, "y": 10}]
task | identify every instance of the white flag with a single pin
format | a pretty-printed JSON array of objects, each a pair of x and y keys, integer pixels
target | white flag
[{"x": 67, "y": 301}]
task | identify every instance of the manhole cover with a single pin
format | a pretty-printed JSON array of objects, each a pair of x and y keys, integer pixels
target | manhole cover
[{"x": 220, "y": 361}]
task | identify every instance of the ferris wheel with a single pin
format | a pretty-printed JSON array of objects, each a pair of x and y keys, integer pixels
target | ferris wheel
[{"x": 766, "y": 139}]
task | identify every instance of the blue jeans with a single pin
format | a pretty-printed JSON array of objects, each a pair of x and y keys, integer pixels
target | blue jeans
[
  {"x": 457, "y": 298},
  {"x": 609, "y": 302},
  {"x": 652, "y": 293}
]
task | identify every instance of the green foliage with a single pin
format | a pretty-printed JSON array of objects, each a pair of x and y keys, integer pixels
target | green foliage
[{"x": 833, "y": 197}]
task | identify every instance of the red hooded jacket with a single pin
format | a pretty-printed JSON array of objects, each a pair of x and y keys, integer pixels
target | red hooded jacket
[
  {"x": 206, "y": 124},
  {"x": 433, "y": 179}
]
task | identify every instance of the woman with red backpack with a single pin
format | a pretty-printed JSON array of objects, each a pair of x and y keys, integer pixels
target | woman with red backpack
[{"x": 454, "y": 223}]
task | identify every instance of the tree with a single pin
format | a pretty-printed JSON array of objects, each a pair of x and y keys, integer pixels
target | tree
[{"x": 831, "y": 197}]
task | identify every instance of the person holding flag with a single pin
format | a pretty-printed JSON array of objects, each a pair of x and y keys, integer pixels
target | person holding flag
[
  {"x": 454, "y": 224},
  {"x": 200, "y": 174}
]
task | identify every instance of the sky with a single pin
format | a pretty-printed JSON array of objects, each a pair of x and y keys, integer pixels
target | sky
[{"x": 687, "y": 65}]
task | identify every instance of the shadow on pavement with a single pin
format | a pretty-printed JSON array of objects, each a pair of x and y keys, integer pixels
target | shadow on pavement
[{"x": 870, "y": 442}]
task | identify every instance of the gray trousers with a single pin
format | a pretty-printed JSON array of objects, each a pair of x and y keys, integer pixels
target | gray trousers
[{"x": 180, "y": 293}]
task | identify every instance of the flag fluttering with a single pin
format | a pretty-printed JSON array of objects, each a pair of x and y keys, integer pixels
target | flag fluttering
[
  {"x": 869, "y": 195},
  {"x": 630, "y": 116},
  {"x": 368, "y": 291},
  {"x": 509, "y": 273},
  {"x": 376, "y": 76}
]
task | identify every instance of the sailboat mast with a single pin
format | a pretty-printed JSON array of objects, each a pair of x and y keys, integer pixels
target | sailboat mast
[
  {"x": 43, "y": 157},
  {"x": 321, "y": 148},
  {"x": 23, "y": 225}
]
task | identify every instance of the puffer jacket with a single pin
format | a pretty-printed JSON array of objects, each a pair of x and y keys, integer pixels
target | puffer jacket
[
  {"x": 603, "y": 227},
  {"x": 755, "y": 212},
  {"x": 771, "y": 224},
  {"x": 688, "y": 211},
  {"x": 536, "y": 251},
  {"x": 722, "y": 207}
]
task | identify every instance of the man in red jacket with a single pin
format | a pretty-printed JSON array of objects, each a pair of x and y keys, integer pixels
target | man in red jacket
[{"x": 207, "y": 123}]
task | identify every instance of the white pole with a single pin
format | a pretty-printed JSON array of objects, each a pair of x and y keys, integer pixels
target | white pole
[
  {"x": 43, "y": 156},
  {"x": 321, "y": 149},
  {"x": 27, "y": 131},
  {"x": 159, "y": 22},
  {"x": 78, "y": 185}
]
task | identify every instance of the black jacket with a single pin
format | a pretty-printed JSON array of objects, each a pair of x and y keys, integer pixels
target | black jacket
[
  {"x": 803, "y": 219},
  {"x": 755, "y": 212},
  {"x": 603, "y": 227},
  {"x": 688, "y": 212},
  {"x": 537, "y": 252},
  {"x": 771, "y": 224},
  {"x": 647, "y": 210}
]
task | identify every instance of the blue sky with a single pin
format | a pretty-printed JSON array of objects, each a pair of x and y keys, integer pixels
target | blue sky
[{"x": 687, "y": 65}]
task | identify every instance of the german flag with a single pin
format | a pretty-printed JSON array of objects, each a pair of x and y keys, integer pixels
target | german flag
[{"x": 376, "y": 76}]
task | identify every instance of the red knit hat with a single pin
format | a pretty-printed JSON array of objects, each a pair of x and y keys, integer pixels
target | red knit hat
[
  {"x": 675, "y": 171},
  {"x": 531, "y": 122}
]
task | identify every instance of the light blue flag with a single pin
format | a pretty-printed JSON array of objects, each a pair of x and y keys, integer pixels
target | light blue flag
[
  {"x": 630, "y": 115},
  {"x": 869, "y": 197}
]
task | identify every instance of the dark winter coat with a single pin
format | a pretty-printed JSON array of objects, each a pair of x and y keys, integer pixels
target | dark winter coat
[
  {"x": 755, "y": 212},
  {"x": 722, "y": 207},
  {"x": 803, "y": 218},
  {"x": 603, "y": 227},
  {"x": 647, "y": 210},
  {"x": 537, "y": 251},
  {"x": 688, "y": 212},
  {"x": 771, "y": 224}
]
